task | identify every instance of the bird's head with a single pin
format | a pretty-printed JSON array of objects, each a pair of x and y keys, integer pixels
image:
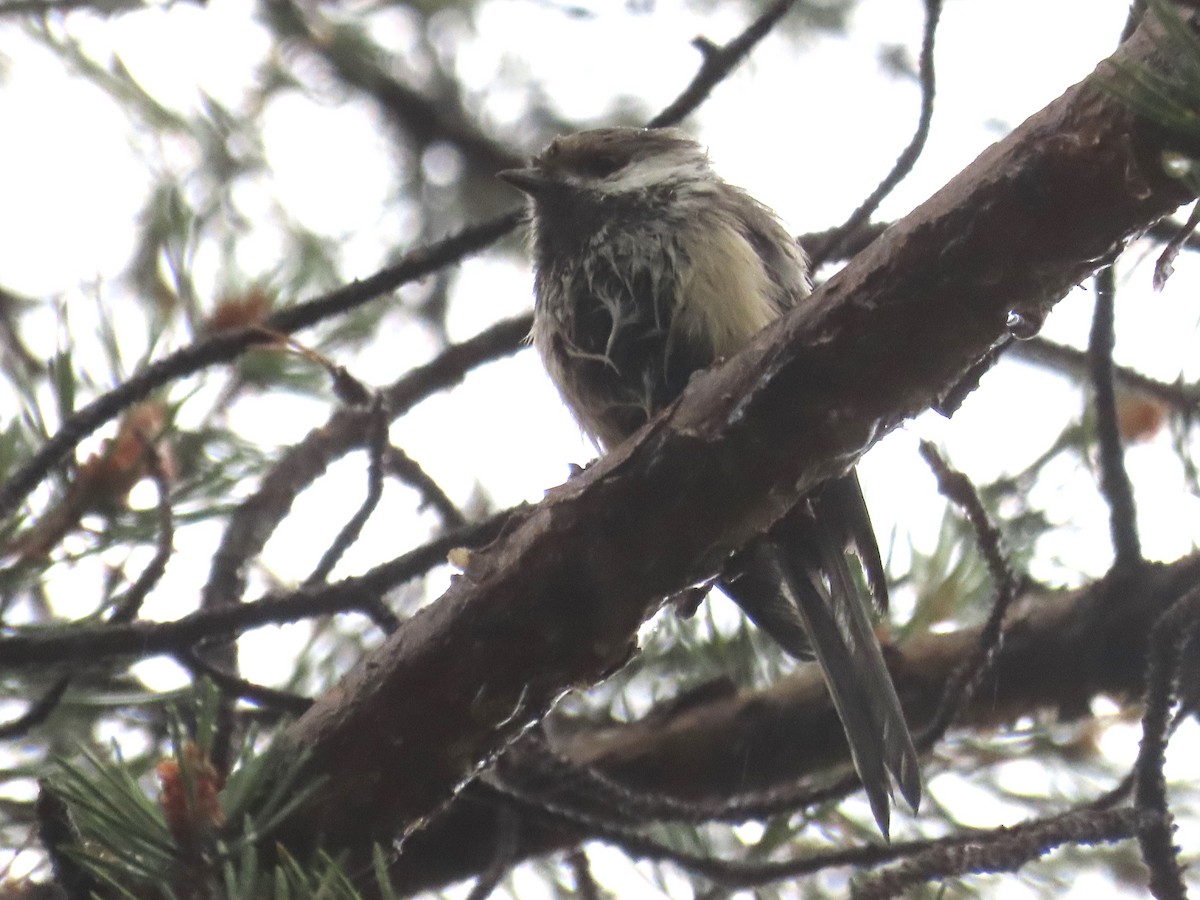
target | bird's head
[{"x": 612, "y": 164}]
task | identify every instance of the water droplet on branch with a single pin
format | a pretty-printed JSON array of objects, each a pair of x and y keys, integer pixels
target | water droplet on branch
[{"x": 1024, "y": 325}]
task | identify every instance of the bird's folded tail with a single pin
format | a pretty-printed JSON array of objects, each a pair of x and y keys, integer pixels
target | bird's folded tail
[{"x": 795, "y": 583}]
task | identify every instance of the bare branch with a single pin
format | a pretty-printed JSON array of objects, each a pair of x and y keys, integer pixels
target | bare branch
[
  {"x": 1182, "y": 398},
  {"x": 909, "y": 155},
  {"x": 221, "y": 348},
  {"x": 719, "y": 63},
  {"x": 255, "y": 520},
  {"x": 144, "y": 639},
  {"x": 1150, "y": 790},
  {"x": 1003, "y": 849},
  {"x": 957, "y": 488},
  {"x": 1114, "y": 480},
  {"x": 376, "y": 447}
]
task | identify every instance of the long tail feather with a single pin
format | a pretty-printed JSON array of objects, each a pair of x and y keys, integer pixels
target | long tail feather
[
  {"x": 841, "y": 510},
  {"x": 796, "y": 584}
]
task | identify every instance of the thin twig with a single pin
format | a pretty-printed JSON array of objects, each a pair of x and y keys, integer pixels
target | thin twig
[
  {"x": 124, "y": 609},
  {"x": 989, "y": 849},
  {"x": 909, "y": 155},
  {"x": 127, "y": 606},
  {"x": 378, "y": 612},
  {"x": 143, "y": 639},
  {"x": 1156, "y": 837},
  {"x": 236, "y": 686},
  {"x": 402, "y": 466},
  {"x": 256, "y": 518},
  {"x": 1182, "y": 398},
  {"x": 1164, "y": 266},
  {"x": 593, "y": 792},
  {"x": 957, "y": 488},
  {"x": 1002, "y": 849},
  {"x": 1114, "y": 480},
  {"x": 376, "y": 447},
  {"x": 823, "y": 245},
  {"x": 730, "y": 873},
  {"x": 38, "y": 712},
  {"x": 718, "y": 63},
  {"x": 414, "y": 115},
  {"x": 224, "y": 347}
]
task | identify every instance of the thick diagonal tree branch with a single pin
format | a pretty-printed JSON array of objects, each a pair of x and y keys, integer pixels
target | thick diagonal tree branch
[{"x": 557, "y": 602}]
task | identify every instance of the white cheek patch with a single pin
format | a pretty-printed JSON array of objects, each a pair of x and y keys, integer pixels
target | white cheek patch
[{"x": 655, "y": 171}]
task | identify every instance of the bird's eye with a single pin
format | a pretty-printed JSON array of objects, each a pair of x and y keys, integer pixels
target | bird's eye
[{"x": 600, "y": 165}]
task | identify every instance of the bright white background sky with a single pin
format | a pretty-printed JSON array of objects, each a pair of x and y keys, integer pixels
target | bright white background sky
[{"x": 809, "y": 132}]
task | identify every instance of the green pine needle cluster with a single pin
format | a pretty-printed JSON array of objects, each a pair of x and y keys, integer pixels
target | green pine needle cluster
[{"x": 125, "y": 847}]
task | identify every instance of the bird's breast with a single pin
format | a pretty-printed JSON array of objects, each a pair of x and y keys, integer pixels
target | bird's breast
[{"x": 623, "y": 324}]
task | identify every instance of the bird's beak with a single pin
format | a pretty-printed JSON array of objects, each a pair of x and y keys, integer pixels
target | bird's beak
[{"x": 532, "y": 180}]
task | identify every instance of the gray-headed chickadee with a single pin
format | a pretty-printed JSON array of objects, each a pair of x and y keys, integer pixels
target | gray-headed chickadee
[{"x": 649, "y": 267}]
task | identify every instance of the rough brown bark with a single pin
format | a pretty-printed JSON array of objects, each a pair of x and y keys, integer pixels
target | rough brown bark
[{"x": 556, "y": 603}]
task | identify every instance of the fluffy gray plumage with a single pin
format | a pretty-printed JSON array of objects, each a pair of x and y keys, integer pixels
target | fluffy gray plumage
[{"x": 649, "y": 267}]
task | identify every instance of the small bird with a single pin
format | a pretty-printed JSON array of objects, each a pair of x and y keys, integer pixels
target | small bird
[{"x": 648, "y": 268}]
